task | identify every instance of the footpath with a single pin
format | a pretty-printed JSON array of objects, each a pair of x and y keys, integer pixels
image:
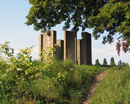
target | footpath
[{"x": 94, "y": 85}]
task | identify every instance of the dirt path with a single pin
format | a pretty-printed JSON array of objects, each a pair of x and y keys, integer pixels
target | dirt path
[{"x": 94, "y": 85}]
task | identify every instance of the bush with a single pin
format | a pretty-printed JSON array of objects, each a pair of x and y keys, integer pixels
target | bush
[
  {"x": 112, "y": 62},
  {"x": 97, "y": 62},
  {"x": 105, "y": 62},
  {"x": 25, "y": 81}
]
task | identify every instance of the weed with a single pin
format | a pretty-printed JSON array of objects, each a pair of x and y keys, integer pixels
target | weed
[
  {"x": 114, "y": 89},
  {"x": 54, "y": 82}
]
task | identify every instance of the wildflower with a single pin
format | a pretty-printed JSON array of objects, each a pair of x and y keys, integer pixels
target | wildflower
[
  {"x": 4, "y": 75},
  {"x": 72, "y": 69},
  {"x": 19, "y": 69},
  {"x": 8, "y": 70},
  {"x": 9, "y": 63}
]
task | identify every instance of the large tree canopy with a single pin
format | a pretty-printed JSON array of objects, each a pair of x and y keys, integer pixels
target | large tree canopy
[
  {"x": 45, "y": 14},
  {"x": 101, "y": 15},
  {"x": 112, "y": 17}
]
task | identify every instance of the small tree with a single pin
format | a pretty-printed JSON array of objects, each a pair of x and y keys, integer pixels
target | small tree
[
  {"x": 120, "y": 63},
  {"x": 105, "y": 62},
  {"x": 125, "y": 64},
  {"x": 97, "y": 62},
  {"x": 112, "y": 62}
]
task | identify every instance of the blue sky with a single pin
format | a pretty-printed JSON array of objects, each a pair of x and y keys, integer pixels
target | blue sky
[{"x": 14, "y": 30}]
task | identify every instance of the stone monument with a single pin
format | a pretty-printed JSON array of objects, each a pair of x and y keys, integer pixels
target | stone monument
[
  {"x": 60, "y": 49},
  {"x": 70, "y": 48},
  {"x": 48, "y": 39},
  {"x": 86, "y": 51},
  {"x": 70, "y": 45}
]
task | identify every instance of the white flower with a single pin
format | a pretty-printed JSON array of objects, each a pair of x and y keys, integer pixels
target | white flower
[
  {"x": 8, "y": 70},
  {"x": 4, "y": 75},
  {"x": 72, "y": 69},
  {"x": 19, "y": 69},
  {"x": 9, "y": 63}
]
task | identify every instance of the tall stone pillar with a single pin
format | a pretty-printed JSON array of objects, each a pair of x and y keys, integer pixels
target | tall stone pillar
[
  {"x": 70, "y": 45},
  {"x": 40, "y": 45},
  {"x": 60, "y": 49},
  {"x": 49, "y": 39},
  {"x": 79, "y": 51},
  {"x": 86, "y": 56}
]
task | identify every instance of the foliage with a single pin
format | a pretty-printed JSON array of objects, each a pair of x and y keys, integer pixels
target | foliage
[
  {"x": 125, "y": 64},
  {"x": 45, "y": 14},
  {"x": 57, "y": 82},
  {"x": 114, "y": 88},
  {"x": 112, "y": 62},
  {"x": 105, "y": 62},
  {"x": 22, "y": 63},
  {"x": 114, "y": 17},
  {"x": 101, "y": 15},
  {"x": 120, "y": 63},
  {"x": 47, "y": 55},
  {"x": 97, "y": 62}
]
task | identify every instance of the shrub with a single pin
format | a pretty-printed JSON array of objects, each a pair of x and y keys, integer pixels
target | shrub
[
  {"x": 97, "y": 62},
  {"x": 105, "y": 62},
  {"x": 112, "y": 62},
  {"x": 120, "y": 63},
  {"x": 54, "y": 82}
]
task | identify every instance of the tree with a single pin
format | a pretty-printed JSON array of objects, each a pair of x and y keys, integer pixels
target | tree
[
  {"x": 112, "y": 62},
  {"x": 102, "y": 15},
  {"x": 45, "y": 14},
  {"x": 97, "y": 62},
  {"x": 105, "y": 62},
  {"x": 125, "y": 64},
  {"x": 120, "y": 63},
  {"x": 113, "y": 17}
]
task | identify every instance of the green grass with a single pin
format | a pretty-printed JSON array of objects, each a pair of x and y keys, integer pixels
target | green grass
[
  {"x": 56, "y": 82},
  {"x": 114, "y": 88},
  {"x": 23, "y": 81}
]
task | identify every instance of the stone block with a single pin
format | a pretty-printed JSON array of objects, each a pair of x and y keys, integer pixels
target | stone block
[
  {"x": 79, "y": 51},
  {"x": 60, "y": 49},
  {"x": 70, "y": 45},
  {"x": 86, "y": 56},
  {"x": 40, "y": 45},
  {"x": 49, "y": 40}
]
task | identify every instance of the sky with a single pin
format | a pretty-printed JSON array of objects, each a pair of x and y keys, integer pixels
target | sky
[{"x": 14, "y": 30}]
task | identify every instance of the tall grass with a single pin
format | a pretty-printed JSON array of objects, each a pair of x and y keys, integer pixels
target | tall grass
[
  {"x": 56, "y": 82},
  {"x": 23, "y": 81},
  {"x": 115, "y": 87}
]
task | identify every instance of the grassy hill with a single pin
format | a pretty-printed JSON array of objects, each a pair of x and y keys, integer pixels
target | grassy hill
[
  {"x": 23, "y": 81},
  {"x": 52, "y": 83},
  {"x": 114, "y": 88}
]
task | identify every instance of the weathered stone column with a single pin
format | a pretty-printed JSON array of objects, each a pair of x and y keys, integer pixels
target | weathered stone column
[
  {"x": 86, "y": 56},
  {"x": 79, "y": 51},
  {"x": 49, "y": 39},
  {"x": 60, "y": 49},
  {"x": 40, "y": 45},
  {"x": 70, "y": 45}
]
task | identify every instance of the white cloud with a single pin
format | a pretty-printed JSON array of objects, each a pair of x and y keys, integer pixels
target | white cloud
[
  {"x": 96, "y": 41},
  {"x": 98, "y": 50},
  {"x": 35, "y": 53},
  {"x": 109, "y": 49}
]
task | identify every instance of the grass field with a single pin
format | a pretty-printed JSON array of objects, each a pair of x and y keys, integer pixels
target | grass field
[
  {"x": 54, "y": 83},
  {"x": 114, "y": 88},
  {"x": 23, "y": 81}
]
